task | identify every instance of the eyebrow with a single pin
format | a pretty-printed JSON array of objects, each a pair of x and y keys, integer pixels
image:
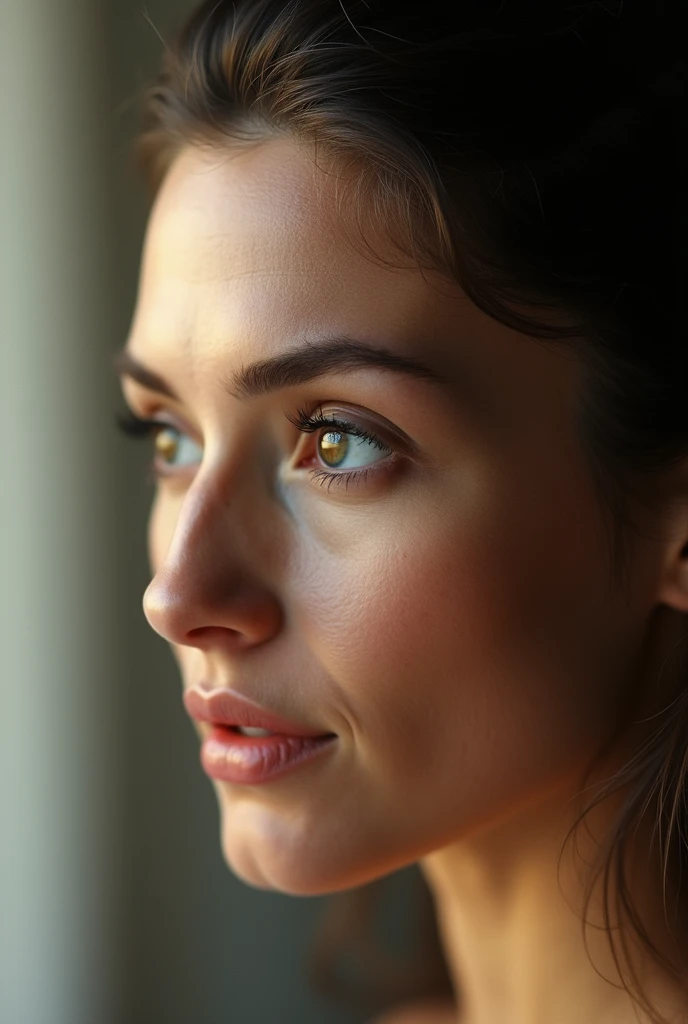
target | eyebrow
[{"x": 290, "y": 369}]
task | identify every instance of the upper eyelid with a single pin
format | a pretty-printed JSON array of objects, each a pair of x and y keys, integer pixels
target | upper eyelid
[
  {"x": 159, "y": 405},
  {"x": 385, "y": 432},
  {"x": 304, "y": 434},
  {"x": 321, "y": 420}
]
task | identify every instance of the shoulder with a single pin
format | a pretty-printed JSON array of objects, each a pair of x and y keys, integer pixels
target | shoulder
[{"x": 424, "y": 1011}]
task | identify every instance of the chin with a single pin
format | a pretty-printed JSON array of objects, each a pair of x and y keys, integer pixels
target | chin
[
  {"x": 262, "y": 862},
  {"x": 269, "y": 854}
]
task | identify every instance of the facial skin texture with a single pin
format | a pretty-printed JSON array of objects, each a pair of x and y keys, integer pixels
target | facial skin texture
[{"x": 449, "y": 618}]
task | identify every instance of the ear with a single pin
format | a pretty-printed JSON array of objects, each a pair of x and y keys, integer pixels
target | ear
[{"x": 674, "y": 585}]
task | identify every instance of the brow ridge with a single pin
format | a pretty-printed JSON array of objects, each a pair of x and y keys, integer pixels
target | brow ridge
[
  {"x": 316, "y": 359},
  {"x": 309, "y": 361}
]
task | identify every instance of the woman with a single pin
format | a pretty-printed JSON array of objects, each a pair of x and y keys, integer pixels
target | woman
[{"x": 410, "y": 342}]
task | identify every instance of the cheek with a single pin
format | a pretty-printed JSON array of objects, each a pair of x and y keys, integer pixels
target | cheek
[{"x": 466, "y": 645}]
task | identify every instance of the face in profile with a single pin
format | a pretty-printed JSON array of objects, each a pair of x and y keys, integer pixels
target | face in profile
[{"x": 403, "y": 550}]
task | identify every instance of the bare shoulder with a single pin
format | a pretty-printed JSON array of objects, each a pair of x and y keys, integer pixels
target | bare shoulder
[{"x": 432, "y": 1011}]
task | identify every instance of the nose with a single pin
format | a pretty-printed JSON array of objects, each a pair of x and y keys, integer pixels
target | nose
[{"x": 213, "y": 587}]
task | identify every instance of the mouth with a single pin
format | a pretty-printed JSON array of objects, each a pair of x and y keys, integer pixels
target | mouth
[
  {"x": 239, "y": 715},
  {"x": 256, "y": 733},
  {"x": 228, "y": 754}
]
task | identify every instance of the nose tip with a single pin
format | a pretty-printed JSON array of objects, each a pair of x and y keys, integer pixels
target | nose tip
[
  {"x": 183, "y": 610},
  {"x": 156, "y": 607},
  {"x": 164, "y": 608}
]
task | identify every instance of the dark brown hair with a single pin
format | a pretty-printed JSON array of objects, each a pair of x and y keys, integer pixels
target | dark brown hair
[{"x": 535, "y": 153}]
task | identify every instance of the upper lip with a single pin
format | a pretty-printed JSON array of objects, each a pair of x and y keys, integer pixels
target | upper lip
[{"x": 221, "y": 706}]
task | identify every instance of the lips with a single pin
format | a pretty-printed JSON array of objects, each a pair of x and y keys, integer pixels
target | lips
[{"x": 221, "y": 706}]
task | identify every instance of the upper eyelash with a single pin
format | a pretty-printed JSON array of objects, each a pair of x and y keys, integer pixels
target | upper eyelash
[
  {"x": 309, "y": 422},
  {"x": 136, "y": 426}
]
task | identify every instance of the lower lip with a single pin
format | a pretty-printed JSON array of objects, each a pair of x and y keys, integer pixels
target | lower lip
[{"x": 231, "y": 757}]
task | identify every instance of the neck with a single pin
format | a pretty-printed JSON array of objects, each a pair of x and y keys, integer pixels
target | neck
[
  {"x": 511, "y": 928},
  {"x": 510, "y": 910}
]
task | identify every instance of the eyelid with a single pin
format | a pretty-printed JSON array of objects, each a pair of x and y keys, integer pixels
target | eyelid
[
  {"x": 399, "y": 444},
  {"x": 369, "y": 420},
  {"x": 150, "y": 409}
]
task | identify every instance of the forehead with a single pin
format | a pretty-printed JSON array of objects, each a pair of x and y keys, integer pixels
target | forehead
[
  {"x": 234, "y": 211},
  {"x": 247, "y": 255},
  {"x": 261, "y": 220},
  {"x": 248, "y": 245}
]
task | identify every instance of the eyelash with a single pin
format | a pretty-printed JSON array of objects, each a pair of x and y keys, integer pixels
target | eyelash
[
  {"x": 308, "y": 423},
  {"x": 137, "y": 427}
]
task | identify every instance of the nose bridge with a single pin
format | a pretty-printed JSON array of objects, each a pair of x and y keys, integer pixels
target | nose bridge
[
  {"x": 206, "y": 528},
  {"x": 218, "y": 566}
]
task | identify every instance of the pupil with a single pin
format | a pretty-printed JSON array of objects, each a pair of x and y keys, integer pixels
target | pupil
[{"x": 333, "y": 447}]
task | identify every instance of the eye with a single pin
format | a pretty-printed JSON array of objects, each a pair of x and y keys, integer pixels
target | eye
[
  {"x": 345, "y": 453},
  {"x": 168, "y": 442},
  {"x": 340, "y": 449},
  {"x": 171, "y": 443}
]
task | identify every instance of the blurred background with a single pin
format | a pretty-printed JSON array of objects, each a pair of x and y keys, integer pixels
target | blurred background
[{"x": 115, "y": 904}]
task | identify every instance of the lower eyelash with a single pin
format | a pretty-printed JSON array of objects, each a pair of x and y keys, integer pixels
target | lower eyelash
[
  {"x": 340, "y": 479},
  {"x": 310, "y": 423}
]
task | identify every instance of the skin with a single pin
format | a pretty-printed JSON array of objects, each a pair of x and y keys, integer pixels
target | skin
[{"x": 449, "y": 618}]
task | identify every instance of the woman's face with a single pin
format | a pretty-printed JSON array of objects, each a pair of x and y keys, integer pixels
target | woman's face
[{"x": 440, "y": 602}]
